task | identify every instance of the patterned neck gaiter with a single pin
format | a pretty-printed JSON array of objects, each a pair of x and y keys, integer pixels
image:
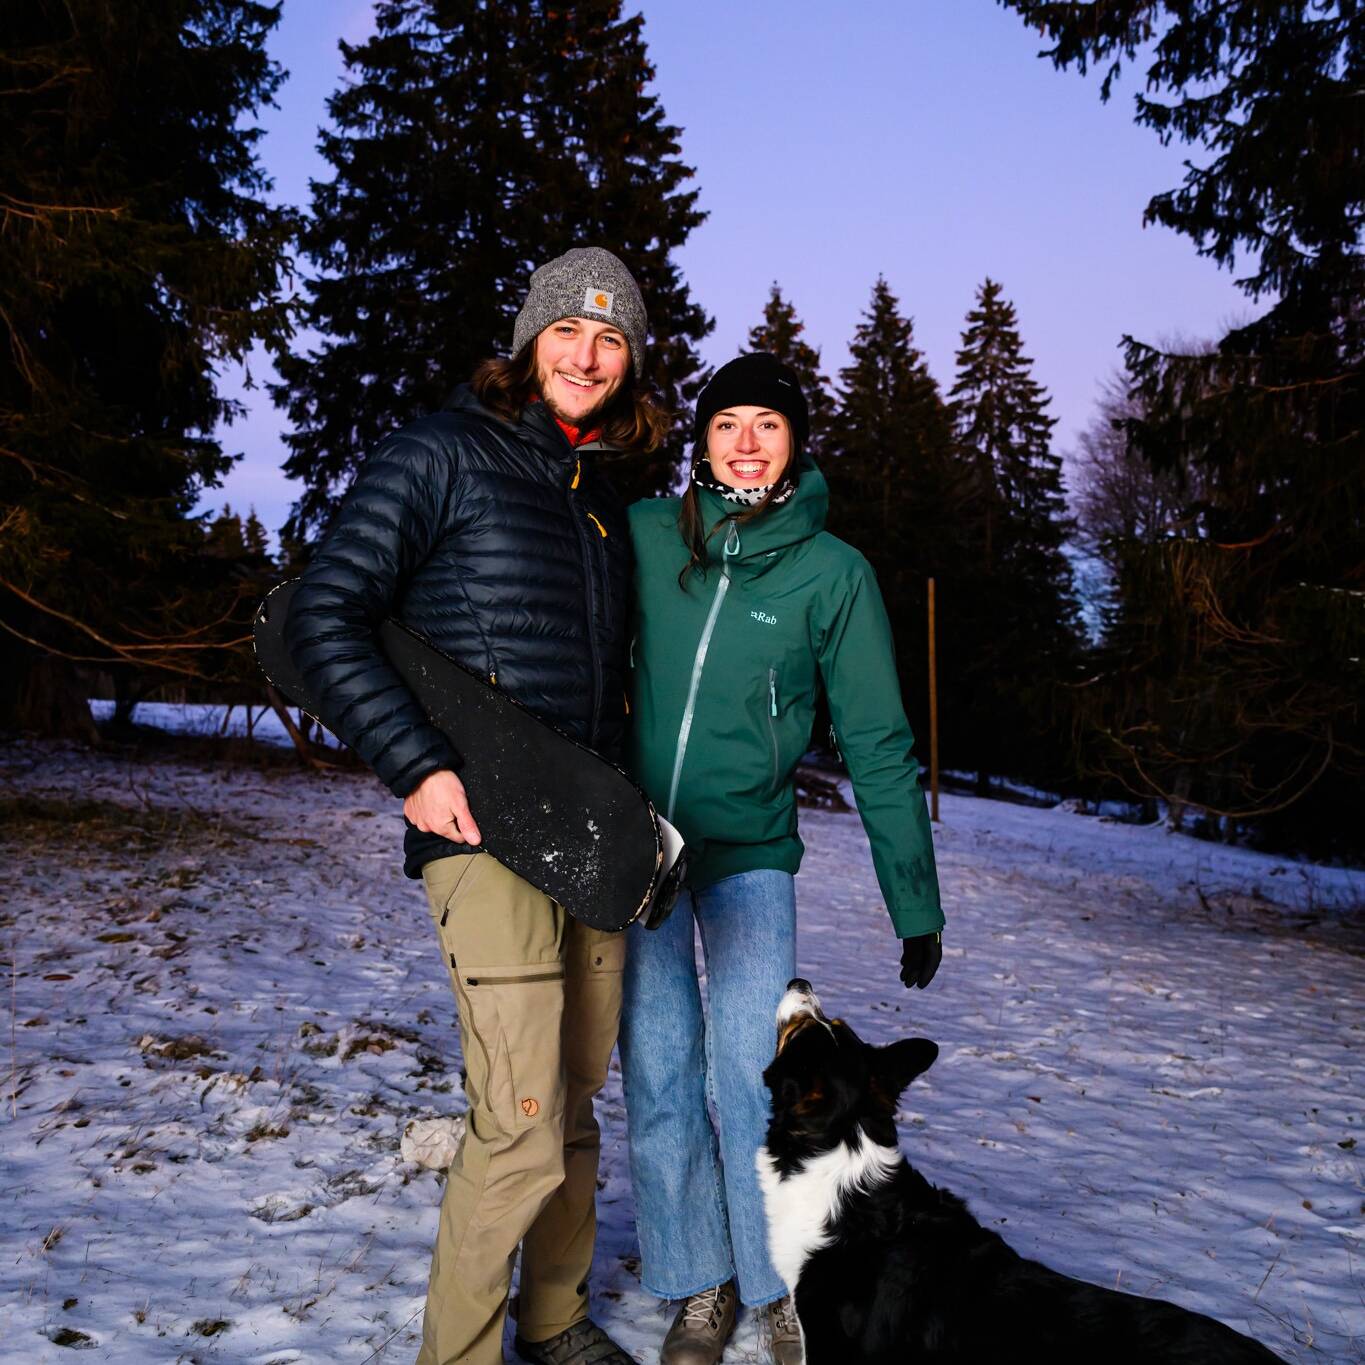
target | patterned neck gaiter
[{"x": 745, "y": 497}]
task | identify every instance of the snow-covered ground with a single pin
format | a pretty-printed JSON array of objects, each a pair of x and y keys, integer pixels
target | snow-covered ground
[
  {"x": 205, "y": 719},
  {"x": 227, "y": 1003}
]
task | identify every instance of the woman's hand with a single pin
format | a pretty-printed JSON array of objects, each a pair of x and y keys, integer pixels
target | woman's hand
[
  {"x": 920, "y": 957},
  {"x": 438, "y": 805}
]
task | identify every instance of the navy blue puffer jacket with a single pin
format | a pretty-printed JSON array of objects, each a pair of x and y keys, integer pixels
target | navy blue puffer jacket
[{"x": 501, "y": 545}]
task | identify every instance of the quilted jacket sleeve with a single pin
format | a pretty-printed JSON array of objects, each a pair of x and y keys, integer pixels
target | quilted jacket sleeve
[
  {"x": 857, "y": 662},
  {"x": 385, "y": 529}
]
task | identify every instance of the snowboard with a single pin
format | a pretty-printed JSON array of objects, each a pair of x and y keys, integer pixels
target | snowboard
[{"x": 559, "y": 815}]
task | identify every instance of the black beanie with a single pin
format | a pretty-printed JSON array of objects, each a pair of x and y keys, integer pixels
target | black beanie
[{"x": 756, "y": 380}]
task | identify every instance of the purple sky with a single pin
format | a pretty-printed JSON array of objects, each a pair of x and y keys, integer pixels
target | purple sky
[{"x": 923, "y": 141}]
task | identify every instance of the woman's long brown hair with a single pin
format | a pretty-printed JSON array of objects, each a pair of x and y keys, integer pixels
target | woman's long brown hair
[
  {"x": 692, "y": 526},
  {"x": 634, "y": 421}
]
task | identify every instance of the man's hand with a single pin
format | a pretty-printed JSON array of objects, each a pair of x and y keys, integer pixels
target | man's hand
[
  {"x": 438, "y": 805},
  {"x": 920, "y": 957}
]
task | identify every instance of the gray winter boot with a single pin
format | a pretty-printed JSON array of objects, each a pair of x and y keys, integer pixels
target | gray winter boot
[{"x": 702, "y": 1327}]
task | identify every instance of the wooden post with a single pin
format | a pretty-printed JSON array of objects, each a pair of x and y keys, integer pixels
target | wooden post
[{"x": 933, "y": 713}]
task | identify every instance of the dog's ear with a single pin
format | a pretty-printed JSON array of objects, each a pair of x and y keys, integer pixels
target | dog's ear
[{"x": 897, "y": 1064}]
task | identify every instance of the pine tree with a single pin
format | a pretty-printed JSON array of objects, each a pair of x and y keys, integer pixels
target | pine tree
[
  {"x": 240, "y": 540},
  {"x": 891, "y": 440},
  {"x": 471, "y": 143},
  {"x": 137, "y": 255},
  {"x": 1238, "y": 679},
  {"x": 896, "y": 487},
  {"x": 223, "y": 537},
  {"x": 1024, "y": 618},
  {"x": 255, "y": 538},
  {"x": 1004, "y": 429},
  {"x": 780, "y": 334}
]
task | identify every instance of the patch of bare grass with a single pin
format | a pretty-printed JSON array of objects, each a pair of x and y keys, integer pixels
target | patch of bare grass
[
  {"x": 109, "y": 824},
  {"x": 182, "y": 1049}
]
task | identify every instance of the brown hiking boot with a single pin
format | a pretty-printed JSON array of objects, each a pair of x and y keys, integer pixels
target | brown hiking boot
[
  {"x": 784, "y": 1332},
  {"x": 702, "y": 1327}
]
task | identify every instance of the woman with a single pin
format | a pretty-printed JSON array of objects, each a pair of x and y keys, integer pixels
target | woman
[{"x": 746, "y": 607}]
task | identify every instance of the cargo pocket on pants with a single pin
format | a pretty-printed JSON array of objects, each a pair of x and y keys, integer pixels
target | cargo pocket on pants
[
  {"x": 597, "y": 962},
  {"x": 598, "y": 952},
  {"x": 517, "y": 1014}
]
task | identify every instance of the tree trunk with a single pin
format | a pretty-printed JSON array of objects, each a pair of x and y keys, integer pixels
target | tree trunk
[
  {"x": 48, "y": 698},
  {"x": 125, "y": 700},
  {"x": 1177, "y": 800},
  {"x": 306, "y": 751}
]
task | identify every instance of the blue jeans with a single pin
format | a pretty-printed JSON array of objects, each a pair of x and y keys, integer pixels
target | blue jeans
[{"x": 698, "y": 1208}]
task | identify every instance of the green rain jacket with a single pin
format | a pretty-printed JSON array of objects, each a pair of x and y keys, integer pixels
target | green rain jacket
[{"x": 724, "y": 681}]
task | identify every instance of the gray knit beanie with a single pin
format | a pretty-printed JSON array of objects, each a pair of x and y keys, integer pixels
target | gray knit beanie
[{"x": 585, "y": 282}]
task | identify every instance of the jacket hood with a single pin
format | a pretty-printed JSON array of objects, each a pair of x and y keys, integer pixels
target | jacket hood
[{"x": 796, "y": 520}]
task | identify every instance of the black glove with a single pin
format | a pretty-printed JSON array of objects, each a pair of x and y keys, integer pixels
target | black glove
[{"x": 920, "y": 958}]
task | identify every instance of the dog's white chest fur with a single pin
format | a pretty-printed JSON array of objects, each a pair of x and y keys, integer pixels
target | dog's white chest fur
[{"x": 804, "y": 1208}]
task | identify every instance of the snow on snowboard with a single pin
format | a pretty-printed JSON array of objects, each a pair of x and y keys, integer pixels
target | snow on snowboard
[{"x": 556, "y": 813}]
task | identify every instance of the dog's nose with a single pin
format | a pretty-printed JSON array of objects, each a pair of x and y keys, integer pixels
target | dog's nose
[{"x": 799, "y": 999}]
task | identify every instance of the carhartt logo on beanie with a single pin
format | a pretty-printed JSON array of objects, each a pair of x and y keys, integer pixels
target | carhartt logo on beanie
[{"x": 585, "y": 282}]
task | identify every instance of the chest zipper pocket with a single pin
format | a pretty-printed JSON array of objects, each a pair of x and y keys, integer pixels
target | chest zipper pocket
[{"x": 772, "y": 719}]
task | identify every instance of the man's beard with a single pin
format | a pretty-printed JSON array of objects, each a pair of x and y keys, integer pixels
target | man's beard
[{"x": 583, "y": 421}]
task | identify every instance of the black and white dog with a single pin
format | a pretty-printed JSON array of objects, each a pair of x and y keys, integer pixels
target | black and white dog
[{"x": 885, "y": 1267}]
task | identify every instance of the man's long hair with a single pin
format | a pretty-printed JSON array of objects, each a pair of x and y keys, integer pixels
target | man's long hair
[{"x": 633, "y": 420}]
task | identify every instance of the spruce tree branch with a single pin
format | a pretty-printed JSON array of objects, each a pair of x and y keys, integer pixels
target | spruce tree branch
[
  {"x": 162, "y": 665},
  {"x": 56, "y": 475},
  {"x": 31, "y": 466},
  {"x": 19, "y": 351},
  {"x": 113, "y": 440},
  {"x": 131, "y": 653},
  {"x": 1256, "y": 812},
  {"x": 1251, "y": 387},
  {"x": 1247, "y": 544},
  {"x": 45, "y": 648},
  {"x": 41, "y": 61},
  {"x": 37, "y": 212},
  {"x": 103, "y": 506},
  {"x": 189, "y": 635}
]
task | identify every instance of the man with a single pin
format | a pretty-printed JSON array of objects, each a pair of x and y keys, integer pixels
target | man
[{"x": 486, "y": 529}]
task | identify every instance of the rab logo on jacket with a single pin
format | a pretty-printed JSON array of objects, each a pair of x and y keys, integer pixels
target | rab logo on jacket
[
  {"x": 764, "y": 617},
  {"x": 598, "y": 301}
]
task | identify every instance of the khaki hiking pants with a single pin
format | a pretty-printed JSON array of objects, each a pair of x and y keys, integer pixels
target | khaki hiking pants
[{"x": 539, "y": 999}]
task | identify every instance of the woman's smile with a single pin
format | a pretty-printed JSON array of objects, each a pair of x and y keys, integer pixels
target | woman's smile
[{"x": 748, "y": 470}]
